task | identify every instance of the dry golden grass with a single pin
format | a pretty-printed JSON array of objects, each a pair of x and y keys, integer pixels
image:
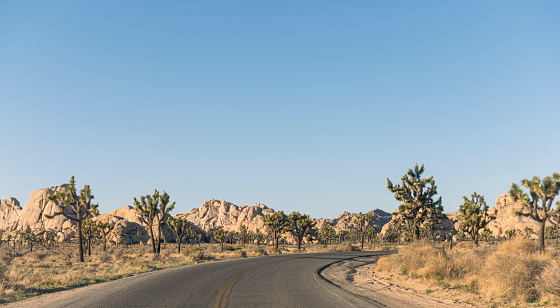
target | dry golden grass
[
  {"x": 24, "y": 274},
  {"x": 511, "y": 269}
]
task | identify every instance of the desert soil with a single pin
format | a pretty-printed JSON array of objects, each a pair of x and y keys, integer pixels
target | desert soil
[{"x": 359, "y": 277}]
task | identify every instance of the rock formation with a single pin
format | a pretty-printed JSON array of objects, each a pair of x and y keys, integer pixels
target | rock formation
[
  {"x": 344, "y": 220},
  {"x": 214, "y": 214},
  {"x": 505, "y": 220},
  {"x": 9, "y": 214}
]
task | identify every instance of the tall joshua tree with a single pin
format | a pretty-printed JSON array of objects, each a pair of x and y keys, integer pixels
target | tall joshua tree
[
  {"x": 474, "y": 215},
  {"x": 361, "y": 225},
  {"x": 81, "y": 207},
  {"x": 300, "y": 226},
  {"x": 538, "y": 203},
  {"x": 164, "y": 209},
  {"x": 417, "y": 195},
  {"x": 276, "y": 223},
  {"x": 148, "y": 209}
]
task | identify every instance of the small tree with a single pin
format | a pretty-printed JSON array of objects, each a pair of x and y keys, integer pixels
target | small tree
[
  {"x": 105, "y": 228},
  {"x": 327, "y": 232},
  {"x": 164, "y": 209},
  {"x": 474, "y": 215},
  {"x": 181, "y": 228},
  {"x": 90, "y": 233},
  {"x": 361, "y": 225},
  {"x": 538, "y": 203},
  {"x": 300, "y": 226},
  {"x": 29, "y": 237},
  {"x": 243, "y": 234},
  {"x": 417, "y": 195},
  {"x": 221, "y": 235},
  {"x": 81, "y": 207},
  {"x": 276, "y": 223},
  {"x": 259, "y": 237}
]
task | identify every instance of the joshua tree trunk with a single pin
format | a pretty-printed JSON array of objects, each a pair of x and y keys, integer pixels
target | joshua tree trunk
[
  {"x": 80, "y": 244},
  {"x": 152, "y": 237},
  {"x": 541, "y": 234}
]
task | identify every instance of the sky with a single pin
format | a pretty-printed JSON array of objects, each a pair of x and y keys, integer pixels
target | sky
[{"x": 302, "y": 106}]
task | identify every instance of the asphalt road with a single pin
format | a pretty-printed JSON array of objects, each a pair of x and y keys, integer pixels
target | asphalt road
[{"x": 269, "y": 281}]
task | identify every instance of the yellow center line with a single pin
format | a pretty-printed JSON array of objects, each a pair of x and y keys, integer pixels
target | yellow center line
[{"x": 227, "y": 288}]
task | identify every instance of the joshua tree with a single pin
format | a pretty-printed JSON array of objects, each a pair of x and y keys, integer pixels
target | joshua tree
[
  {"x": 342, "y": 235},
  {"x": 361, "y": 225},
  {"x": 538, "y": 203},
  {"x": 29, "y": 237},
  {"x": 243, "y": 234},
  {"x": 2, "y": 231},
  {"x": 181, "y": 228},
  {"x": 300, "y": 226},
  {"x": 81, "y": 207},
  {"x": 417, "y": 195},
  {"x": 164, "y": 209},
  {"x": 221, "y": 235},
  {"x": 474, "y": 215},
  {"x": 511, "y": 233},
  {"x": 105, "y": 228},
  {"x": 487, "y": 234},
  {"x": 90, "y": 233},
  {"x": 152, "y": 211},
  {"x": 259, "y": 236},
  {"x": 276, "y": 223},
  {"x": 327, "y": 232}
]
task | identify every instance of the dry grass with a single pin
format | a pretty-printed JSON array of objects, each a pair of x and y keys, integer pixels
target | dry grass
[
  {"x": 511, "y": 269},
  {"x": 24, "y": 274}
]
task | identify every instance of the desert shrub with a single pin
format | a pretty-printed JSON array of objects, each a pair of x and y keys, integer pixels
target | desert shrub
[
  {"x": 424, "y": 259},
  {"x": 230, "y": 248},
  {"x": 241, "y": 254},
  {"x": 549, "y": 279},
  {"x": 102, "y": 257},
  {"x": 190, "y": 250},
  {"x": 512, "y": 274},
  {"x": 199, "y": 256},
  {"x": 36, "y": 256},
  {"x": 346, "y": 247},
  {"x": 259, "y": 251}
]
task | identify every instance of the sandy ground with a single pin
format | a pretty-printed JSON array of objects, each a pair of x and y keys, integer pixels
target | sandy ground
[{"x": 358, "y": 276}]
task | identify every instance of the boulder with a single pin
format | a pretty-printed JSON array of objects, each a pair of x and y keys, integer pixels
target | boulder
[{"x": 9, "y": 214}]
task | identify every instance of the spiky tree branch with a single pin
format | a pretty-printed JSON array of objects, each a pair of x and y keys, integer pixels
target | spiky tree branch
[
  {"x": 81, "y": 206},
  {"x": 537, "y": 205},
  {"x": 474, "y": 215},
  {"x": 417, "y": 195},
  {"x": 276, "y": 223}
]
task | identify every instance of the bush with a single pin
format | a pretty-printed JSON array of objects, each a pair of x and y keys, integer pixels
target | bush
[
  {"x": 241, "y": 254},
  {"x": 346, "y": 247},
  {"x": 259, "y": 251},
  {"x": 549, "y": 280},
  {"x": 190, "y": 250}
]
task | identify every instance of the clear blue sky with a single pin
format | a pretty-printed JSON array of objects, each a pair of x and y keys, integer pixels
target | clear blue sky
[{"x": 300, "y": 105}]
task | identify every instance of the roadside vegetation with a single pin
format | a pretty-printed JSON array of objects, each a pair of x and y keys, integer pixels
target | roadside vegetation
[
  {"x": 510, "y": 271},
  {"x": 468, "y": 258}
]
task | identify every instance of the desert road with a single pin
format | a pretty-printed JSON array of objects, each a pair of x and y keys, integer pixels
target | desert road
[{"x": 269, "y": 281}]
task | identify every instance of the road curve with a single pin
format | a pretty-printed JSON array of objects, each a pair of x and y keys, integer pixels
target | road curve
[{"x": 269, "y": 281}]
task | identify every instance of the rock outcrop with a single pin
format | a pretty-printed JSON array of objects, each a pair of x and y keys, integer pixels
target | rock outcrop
[
  {"x": 33, "y": 213},
  {"x": 344, "y": 220},
  {"x": 9, "y": 214},
  {"x": 128, "y": 228},
  {"x": 214, "y": 214},
  {"x": 505, "y": 220}
]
